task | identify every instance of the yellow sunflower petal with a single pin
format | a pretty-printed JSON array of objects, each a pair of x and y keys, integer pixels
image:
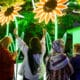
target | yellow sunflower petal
[
  {"x": 39, "y": 4},
  {"x": 1, "y": 18},
  {"x": 42, "y": 17},
  {"x": 52, "y": 17},
  {"x": 20, "y": 16},
  {"x": 37, "y": 10},
  {"x": 61, "y": 6},
  {"x": 47, "y": 18},
  {"x": 15, "y": 13},
  {"x": 43, "y": 0},
  {"x": 38, "y": 14},
  {"x": 12, "y": 17},
  {"x": 1, "y": 14},
  {"x": 3, "y": 23},
  {"x": 62, "y": 1},
  {"x": 17, "y": 8},
  {"x": 58, "y": 12},
  {"x": 40, "y": 11},
  {"x": 19, "y": 2},
  {"x": 7, "y": 19}
]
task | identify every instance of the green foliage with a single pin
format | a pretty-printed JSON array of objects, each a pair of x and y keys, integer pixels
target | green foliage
[
  {"x": 33, "y": 30},
  {"x": 72, "y": 0},
  {"x": 68, "y": 21},
  {"x": 2, "y": 32},
  {"x": 24, "y": 23},
  {"x": 73, "y": 5},
  {"x": 50, "y": 27},
  {"x": 65, "y": 22}
]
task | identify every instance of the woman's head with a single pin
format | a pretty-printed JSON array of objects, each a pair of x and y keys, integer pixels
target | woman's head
[
  {"x": 5, "y": 42},
  {"x": 35, "y": 44},
  {"x": 77, "y": 48},
  {"x": 58, "y": 46}
]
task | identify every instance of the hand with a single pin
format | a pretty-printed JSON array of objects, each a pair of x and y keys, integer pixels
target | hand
[
  {"x": 44, "y": 32},
  {"x": 15, "y": 32},
  {"x": 14, "y": 55}
]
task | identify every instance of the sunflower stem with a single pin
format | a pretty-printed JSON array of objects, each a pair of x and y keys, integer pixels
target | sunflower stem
[
  {"x": 33, "y": 4},
  {"x": 16, "y": 46},
  {"x": 16, "y": 24},
  {"x": 56, "y": 28},
  {"x": 11, "y": 46},
  {"x": 7, "y": 29}
]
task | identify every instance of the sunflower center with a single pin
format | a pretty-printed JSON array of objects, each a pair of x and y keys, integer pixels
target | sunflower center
[
  {"x": 50, "y": 5},
  {"x": 9, "y": 11}
]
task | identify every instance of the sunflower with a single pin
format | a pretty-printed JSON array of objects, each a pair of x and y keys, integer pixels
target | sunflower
[
  {"x": 46, "y": 9},
  {"x": 8, "y": 13}
]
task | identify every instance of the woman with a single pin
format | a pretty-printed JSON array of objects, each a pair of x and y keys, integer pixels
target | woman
[
  {"x": 33, "y": 66},
  {"x": 58, "y": 65},
  {"x": 7, "y": 60},
  {"x": 75, "y": 61}
]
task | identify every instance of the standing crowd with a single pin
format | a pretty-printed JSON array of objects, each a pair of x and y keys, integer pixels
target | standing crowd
[{"x": 58, "y": 65}]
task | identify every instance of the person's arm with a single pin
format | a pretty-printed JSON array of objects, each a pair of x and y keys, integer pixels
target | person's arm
[
  {"x": 72, "y": 70},
  {"x": 21, "y": 44},
  {"x": 71, "y": 67},
  {"x": 44, "y": 35},
  {"x": 43, "y": 41}
]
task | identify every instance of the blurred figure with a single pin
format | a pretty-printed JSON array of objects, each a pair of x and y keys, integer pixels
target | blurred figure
[
  {"x": 75, "y": 61},
  {"x": 7, "y": 60},
  {"x": 58, "y": 65},
  {"x": 33, "y": 65}
]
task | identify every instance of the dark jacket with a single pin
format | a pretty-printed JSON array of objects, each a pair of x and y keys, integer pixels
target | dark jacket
[
  {"x": 6, "y": 65},
  {"x": 58, "y": 68},
  {"x": 75, "y": 61}
]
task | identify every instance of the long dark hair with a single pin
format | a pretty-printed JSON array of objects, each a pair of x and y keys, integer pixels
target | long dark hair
[
  {"x": 34, "y": 48},
  {"x": 35, "y": 45}
]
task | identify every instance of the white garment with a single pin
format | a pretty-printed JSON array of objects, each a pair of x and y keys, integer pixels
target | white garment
[
  {"x": 25, "y": 69},
  {"x": 37, "y": 58}
]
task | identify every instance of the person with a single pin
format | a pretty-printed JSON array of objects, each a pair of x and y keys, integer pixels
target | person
[
  {"x": 7, "y": 60},
  {"x": 75, "y": 61},
  {"x": 33, "y": 66},
  {"x": 58, "y": 66}
]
